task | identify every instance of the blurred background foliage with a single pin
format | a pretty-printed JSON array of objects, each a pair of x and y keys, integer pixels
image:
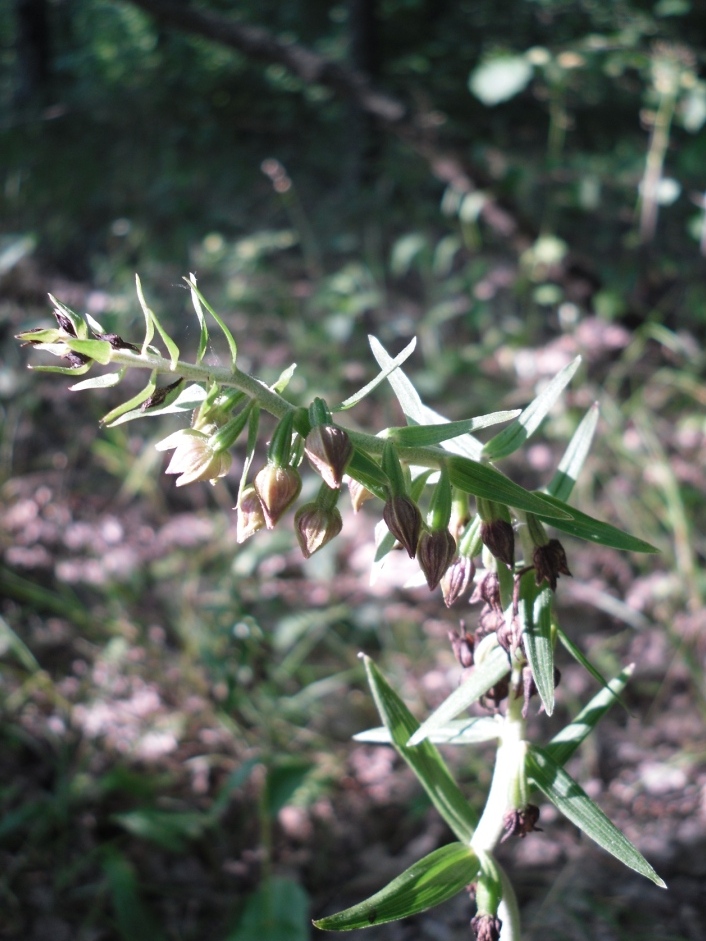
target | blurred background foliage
[{"x": 173, "y": 729}]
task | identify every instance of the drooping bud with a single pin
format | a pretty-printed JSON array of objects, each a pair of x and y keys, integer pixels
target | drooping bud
[
  {"x": 358, "y": 493},
  {"x": 250, "y": 515},
  {"x": 193, "y": 458},
  {"x": 499, "y": 537},
  {"x": 435, "y": 551},
  {"x": 463, "y": 644},
  {"x": 520, "y": 822},
  {"x": 549, "y": 563},
  {"x": 277, "y": 488},
  {"x": 486, "y": 927},
  {"x": 404, "y": 520},
  {"x": 329, "y": 450},
  {"x": 315, "y": 526},
  {"x": 456, "y": 579}
]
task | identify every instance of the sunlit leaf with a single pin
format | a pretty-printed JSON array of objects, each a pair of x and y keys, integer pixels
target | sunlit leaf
[
  {"x": 152, "y": 322},
  {"x": 133, "y": 402},
  {"x": 585, "y": 527},
  {"x": 484, "y": 481},
  {"x": 515, "y": 435},
  {"x": 485, "y": 674},
  {"x": 98, "y": 350},
  {"x": 565, "y": 743},
  {"x": 98, "y": 382},
  {"x": 203, "y": 327},
  {"x": 456, "y": 732},
  {"x": 567, "y": 472},
  {"x": 424, "y": 760},
  {"x": 230, "y": 340},
  {"x": 187, "y": 400},
  {"x": 535, "y": 613},
  {"x": 79, "y": 324},
  {"x": 424, "y": 435},
  {"x": 284, "y": 379},
  {"x": 427, "y": 883},
  {"x": 381, "y": 376},
  {"x": 577, "y": 806},
  {"x": 499, "y": 79}
]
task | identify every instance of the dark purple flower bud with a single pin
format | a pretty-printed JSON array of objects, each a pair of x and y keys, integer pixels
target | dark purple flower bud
[
  {"x": 499, "y": 536},
  {"x": 462, "y": 644},
  {"x": 404, "y": 520},
  {"x": 277, "y": 488},
  {"x": 486, "y": 927},
  {"x": 549, "y": 563},
  {"x": 329, "y": 449},
  {"x": 435, "y": 551},
  {"x": 521, "y": 822},
  {"x": 315, "y": 526},
  {"x": 457, "y": 578}
]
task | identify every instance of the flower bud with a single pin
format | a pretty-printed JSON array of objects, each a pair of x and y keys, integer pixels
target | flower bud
[
  {"x": 520, "y": 822},
  {"x": 434, "y": 553},
  {"x": 277, "y": 488},
  {"x": 486, "y": 927},
  {"x": 456, "y": 579},
  {"x": 499, "y": 536},
  {"x": 549, "y": 563},
  {"x": 316, "y": 525},
  {"x": 404, "y": 520},
  {"x": 194, "y": 459},
  {"x": 329, "y": 450},
  {"x": 250, "y": 515}
]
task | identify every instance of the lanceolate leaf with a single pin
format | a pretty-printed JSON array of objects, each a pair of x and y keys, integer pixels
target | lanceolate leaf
[
  {"x": 456, "y": 732},
  {"x": 232, "y": 346},
  {"x": 565, "y": 743},
  {"x": 585, "y": 527},
  {"x": 535, "y": 612},
  {"x": 99, "y": 350},
  {"x": 579, "y": 657},
  {"x": 485, "y": 674},
  {"x": 434, "y": 879},
  {"x": 203, "y": 331},
  {"x": 574, "y": 803},
  {"x": 425, "y": 760},
  {"x": 133, "y": 402},
  {"x": 187, "y": 400},
  {"x": 98, "y": 382},
  {"x": 381, "y": 376},
  {"x": 151, "y": 322},
  {"x": 423, "y": 435},
  {"x": 567, "y": 472},
  {"x": 484, "y": 481},
  {"x": 514, "y": 436},
  {"x": 364, "y": 469}
]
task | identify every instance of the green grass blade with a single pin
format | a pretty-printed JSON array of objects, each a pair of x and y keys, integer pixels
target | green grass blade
[
  {"x": 425, "y": 760},
  {"x": 485, "y": 674},
  {"x": 565, "y": 743},
  {"x": 585, "y": 527},
  {"x": 569, "y": 468},
  {"x": 577, "y": 806},
  {"x": 535, "y": 612},
  {"x": 484, "y": 481},
  {"x": 381, "y": 377},
  {"x": 512, "y": 438},
  {"x": 434, "y": 879}
]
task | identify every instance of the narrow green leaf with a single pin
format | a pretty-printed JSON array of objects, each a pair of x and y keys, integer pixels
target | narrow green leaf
[
  {"x": 484, "y": 481},
  {"x": 284, "y": 379},
  {"x": 133, "y": 402},
  {"x": 152, "y": 322},
  {"x": 253, "y": 429},
  {"x": 381, "y": 376},
  {"x": 414, "y": 409},
  {"x": 98, "y": 350},
  {"x": 569, "y": 468},
  {"x": 232, "y": 346},
  {"x": 98, "y": 382},
  {"x": 78, "y": 323},
  {"x": 513, "y": 437},
  {"x": 187, "y": 400},
  {"x": 47, "y": 335},
  {"x": 64, "y": 370},
  {"x": 423, "y": 435},
  {"x": 425, "y": 760},
  {"x": 456, "y": 732},
  {"x": 535, "y": 613},
  {"x": 171, "y": 346},
  {"x": 149, "y": 323},
  {"x": 485, "y": 674},
  {"x": 364, "y": 469},
  {"x": 585, "y": 527},
  {"x": 429, "y": 882},
  {"x": 577, "y": 806},
  {"x": 135, "y": 920},
  {"x": 203, "y": 327},
  {"x": 565, "y": 743}
]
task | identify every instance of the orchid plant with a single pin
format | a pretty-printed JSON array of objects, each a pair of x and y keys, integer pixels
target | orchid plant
[{"x": 473, "y": 531}]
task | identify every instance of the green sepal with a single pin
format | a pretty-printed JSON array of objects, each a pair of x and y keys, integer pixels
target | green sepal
[
  {"x": 439, "y": 514},
  {"x": 485, "y": 675},
  {"x": 280, "y": 450},
  {"x": 424, "y": 760},
  {"x": 515, "y": 435},
  {"x": 585, "y": 527},
  {"x": 228, "y": 434},
  {"x": 319, "y": 413},
  {"x": 568, "y": 797},
  {"x": 484, "y": 481},
  {"x": 429, "y": 882}
]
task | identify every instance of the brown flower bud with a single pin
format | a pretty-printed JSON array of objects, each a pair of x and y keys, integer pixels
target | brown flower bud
[
  {"x": 315, "y": 526},
  {"x": 549, "y": 563},
  {"x": 329, "y": 450},
  {"x": 456, "y": 579},
  {"x": 250, "y": 515},
  {"x": 404, "y": 520},
  {"x": 486, "y": 927},
  {"x": 435, "y": 551},
  {"x": 193, "y": 458},
  {"x": 488, "y": 591},
  {"x": 358, "y": 493},
  {"x": 277, "y": 488},
  {"x": 521, "y": 822},
  {"x": 499, "y": 536},
  {"x": 462, "y": 644}
]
